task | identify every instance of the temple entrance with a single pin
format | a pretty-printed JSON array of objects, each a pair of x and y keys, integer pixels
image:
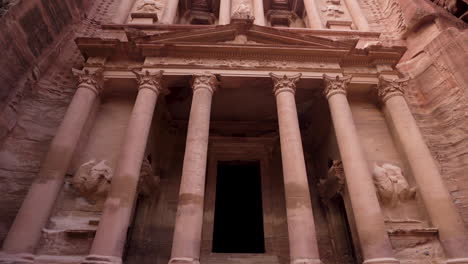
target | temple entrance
[{"x": 238, "y": 220}]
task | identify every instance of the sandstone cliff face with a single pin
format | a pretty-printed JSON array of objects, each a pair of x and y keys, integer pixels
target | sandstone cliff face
[{"x": 38, "y": 52}]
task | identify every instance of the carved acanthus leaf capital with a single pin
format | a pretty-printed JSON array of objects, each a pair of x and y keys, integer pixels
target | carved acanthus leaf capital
[
  {"x": 388, "y": 88},
  {"x": 150, "y": 80},
  {"x": 206, "y": 81},
  {"x": 91, "y": 79},
  {"x": 335, "y": 85},
  {"x": 284, "y": 83}
]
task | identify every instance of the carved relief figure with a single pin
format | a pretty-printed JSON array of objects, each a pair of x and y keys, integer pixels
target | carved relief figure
[
  {"x": 148, "y": 181},
  {"x": 149, "y": 6},
  {"x": 392, "y": 187},
  {"x": 243, "y": 10},
  {"x": 93, "y": 179},
  {"x": 333, "y": 8}
]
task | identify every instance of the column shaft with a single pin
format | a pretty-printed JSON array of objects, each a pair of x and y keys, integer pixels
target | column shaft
[
  {"x": 123, "y": 11},
  {"x": 359, "y": 18},
  {"x": 301, "y": 227},
  {"x": 34, "y": 213},
  {"x": 170, "y": 12},
  {"x": 313, "y": 15},
  {"x": 373, "y": 237},
  {"x": 224, "y": 12},
  {"x": 439, "y": 204},
  {"x": 189, "y": 219},
  {"x": 110, "y": 238},
  {"x": 259, "y": 13}
]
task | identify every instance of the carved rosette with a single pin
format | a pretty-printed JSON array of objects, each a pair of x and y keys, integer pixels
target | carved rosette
[
  {"x": 335, "y": 85},
  {"x": 91, "y": 79},
  {"x": 284, "y": 83},
  {"x": 205, "y": 81},
  {"x": 150, "y": 80},
  {"x": 388, "y": 88}
]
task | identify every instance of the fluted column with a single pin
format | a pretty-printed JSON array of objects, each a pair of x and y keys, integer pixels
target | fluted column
[
  {"x": 189, "y": 219},
  {"x": 35, "y": 211},
  {"x": 301, "y": 227},
  {"x": 439, "y": 204},
  {"x": 111, "y": 234},
  {"x": 170, "y": 12},
  {"x": 224, "y": 12},
  {"x": 373, "y": 237},
  {"x": 358, "y": 16},
  {"x": 123, "y": 11},
  {"x": 312, "y": 14},
  {"x": 259, "y": 12}
]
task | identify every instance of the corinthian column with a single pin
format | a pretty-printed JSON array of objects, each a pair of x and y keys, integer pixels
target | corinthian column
[
  {"x": 170, "y": 11},
  {"x": 189, "y": 219},
  {"x": 34, "y": 213},
  {"x": 301, "y": 227},
  {"x": 431, "y": 186},
  {"x": 224, "y": 12},
  {"x": 123, "y": 11},
  {"x": 312, "y": 14},
  {"x": 259, "y": 13},
  {"x": 375, "y": 244},
  {"x": 111, "y": 234}
]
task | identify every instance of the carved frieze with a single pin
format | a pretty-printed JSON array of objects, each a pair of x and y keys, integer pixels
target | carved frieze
[
  {"x": 205, "y": 81},
  {"x": 89, "y": 79},
  {"x": 387, "y": 88},
  {"x": 335, "y": 85},
  {"x": 285, "y": 83}
]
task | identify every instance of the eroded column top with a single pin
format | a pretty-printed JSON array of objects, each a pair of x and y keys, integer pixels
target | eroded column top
[
  {"x": 150, "y": 80},
  {"x": 335, "y": 85},
  {"x": 91, "y": 79},
  {"x": 205, "y": 80},
  {"x": 388, "y": 88},
  {"x": 284, "y": 83}
]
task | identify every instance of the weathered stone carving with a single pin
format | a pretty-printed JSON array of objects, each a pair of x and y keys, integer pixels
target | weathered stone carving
[
  {"x": 150, "y": 80},
  {"x": 392, "y": 187},
  {"x": 333, "y": 9},
  {"x": 335, "y": 85},
  {"x": 243, "y": 11},
  {"x": 205, "y": 80},
  {"x": 93, "y": 179},
  {"x": 334, "y": 183},
  {"x": 149, "y": 6},
  {"x": 148, "y": 181},
  {"x": 89, "y": 79},
  {"x": 387, "y": 88},
  {"x": 284, "y": 83}
]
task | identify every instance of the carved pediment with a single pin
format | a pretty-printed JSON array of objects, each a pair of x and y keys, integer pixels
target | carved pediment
[{"x": 251, "y": 34}]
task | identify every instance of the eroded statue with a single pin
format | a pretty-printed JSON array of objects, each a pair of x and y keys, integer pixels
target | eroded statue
[
  {"x": 392, "y": 187},
  {"x": 93, "y": 180},
  {"x": 149, "y": 6},
  {"x": 243, "y": 11}
]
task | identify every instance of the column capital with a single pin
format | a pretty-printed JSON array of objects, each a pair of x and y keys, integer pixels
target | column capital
[
  {"x": 335, "y": 85},
  {"x": 284, "y": 83},
  {"x": 387, "y": 88},
  {"x": 150, "y": 80},
  {"x": 91, "y": 79},
  {"x": 205, "y": 80}
]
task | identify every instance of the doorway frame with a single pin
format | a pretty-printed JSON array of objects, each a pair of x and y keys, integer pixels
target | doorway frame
[{"x": 244, "y": 149}]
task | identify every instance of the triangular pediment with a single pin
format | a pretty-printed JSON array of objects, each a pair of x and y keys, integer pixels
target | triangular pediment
[{"x": 242, "y": 34}]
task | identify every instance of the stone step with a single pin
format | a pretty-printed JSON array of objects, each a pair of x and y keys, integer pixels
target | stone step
[{"x": 221, "y": 258}]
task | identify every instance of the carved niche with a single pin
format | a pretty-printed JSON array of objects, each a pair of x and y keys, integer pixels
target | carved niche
[{"x": 392, "y": 187}]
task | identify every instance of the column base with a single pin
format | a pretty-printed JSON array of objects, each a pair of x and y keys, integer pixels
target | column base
[
  {"x": 382, "y": 261},
  {"x": 22, "y": 258},
  {"x": 306, "y": 261},
  {"x": 458, "y": 261},
  {"x": 184, "y": 261},
  {"x": 96, "y": 259}
]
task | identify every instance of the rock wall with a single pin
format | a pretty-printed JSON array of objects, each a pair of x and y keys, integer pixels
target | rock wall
[{"x": 33, "y": 110}]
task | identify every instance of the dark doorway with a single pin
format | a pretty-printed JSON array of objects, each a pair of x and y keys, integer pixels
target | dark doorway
[{"x": 238, "y": 221}]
